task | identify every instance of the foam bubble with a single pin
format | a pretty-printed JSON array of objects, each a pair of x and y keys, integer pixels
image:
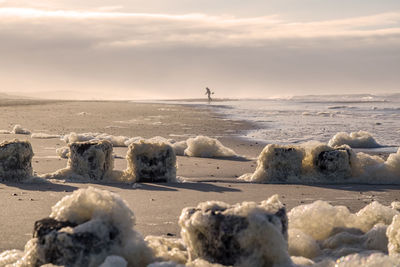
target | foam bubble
[
  {"x": 360, "y": 139},
  {"x": 19, "y": 130},
  {"x": 203, "y": 146}
]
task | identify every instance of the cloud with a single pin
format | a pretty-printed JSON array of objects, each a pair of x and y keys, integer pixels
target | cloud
[
  {"x": 123, "y": 30},
  {"x": 142, "y": 52}
]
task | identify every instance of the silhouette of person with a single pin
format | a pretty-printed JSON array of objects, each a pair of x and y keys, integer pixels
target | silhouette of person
[{"x": 209, "y": 93}]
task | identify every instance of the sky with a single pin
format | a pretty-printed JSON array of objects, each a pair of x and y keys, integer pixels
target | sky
[{"x": 157, "y": 49}]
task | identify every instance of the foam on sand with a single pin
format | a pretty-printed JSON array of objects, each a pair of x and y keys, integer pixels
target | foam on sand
[
  {"x": 360, "y": 139},
  {"x": 91, "y": 160},
  {"x": 84, "y": 229},
  {"x": 393, "y": 234},
  {"x": 278, "y": 163},
  {"x": 154, "y": 139},
  {"x": 63, "y": 152},
  {"x": 367, "y": 260},
  {"x": 44, "y": 136},
  {"x": 19, "y": 130},
  {"x": 150, "y": 162},
  {"x": 324, "y": 233},
  {"x": 15, "y": 160},
  {"x": 323, "y": 162},
  {"x": 10, "y": 256},
  {"x": 200, "y": 146},
  {"x": 92, "y": 227},
  {"x": 168, "y": 249},
  {"x": 206, "y": 147},
  {"x": 315, "y": 162},
  {"x": 180, "y": 148},
  {"x": 319, "y": 234},
  {"x": 117, "y": 141},
  {"x": 320, "y": 219},
  {"x": 375, "y": 170},
  {"x": 246, "y": 234}
]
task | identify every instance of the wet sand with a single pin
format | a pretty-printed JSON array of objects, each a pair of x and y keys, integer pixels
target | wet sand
[{"x": 156, "y": 206}]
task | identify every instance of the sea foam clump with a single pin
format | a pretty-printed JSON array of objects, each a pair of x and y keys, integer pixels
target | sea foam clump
[
  {"x": 168, "y": 249},
  {"x": 91, "y": 160},
  {"x": 206, "y": 147},
  {"x": 15, "y": 160},
  {"x": 117, "y": 141},
  {"x": 150, "y": 162},
  {"x": 19, "y": 130},
  {"x": 376, "y": 170},
  {"x": 246, "y": 234},
  {"x": 44, "y": 136},
  {"x": 315, "y": 162},
  {"x": 360, "y": 139},
  {"x": 278, "y": 163},
  {"x": 63, "y": 152},
  {"x": 320, "y": 231},
  {"x": 366, "y": 260},
  {"x": 393, "y": 233},
  {"x": 200, "y": 146},
  {"x": 320, "y": 219},
  {"x": 323, "y": 162},
  {"x": 83, "y": 229}
]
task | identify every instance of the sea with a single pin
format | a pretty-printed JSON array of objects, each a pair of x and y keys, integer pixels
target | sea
[{"x": 300, "y": 119}]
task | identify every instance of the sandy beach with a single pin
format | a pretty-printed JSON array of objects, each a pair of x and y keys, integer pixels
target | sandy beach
[{"x": 156, "y": 206}]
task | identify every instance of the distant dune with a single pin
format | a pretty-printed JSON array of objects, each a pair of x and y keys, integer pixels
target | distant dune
[
  {"x": 51, "y": 95},
  {"x": 11, "y": 99},
  {"x": 10, "y": 96}
]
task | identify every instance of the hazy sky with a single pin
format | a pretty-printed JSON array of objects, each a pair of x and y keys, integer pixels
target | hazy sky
[{"x": 171, "y": 48}]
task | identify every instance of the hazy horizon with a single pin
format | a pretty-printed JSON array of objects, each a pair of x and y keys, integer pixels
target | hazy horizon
[
  {"x": 103, "y": 49},
  {"x": 71, "y": 95}
]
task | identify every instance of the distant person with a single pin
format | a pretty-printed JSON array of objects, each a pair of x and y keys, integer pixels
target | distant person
[{"x": 209, "y": 93}]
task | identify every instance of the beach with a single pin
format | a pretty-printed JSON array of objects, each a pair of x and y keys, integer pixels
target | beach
[{"x": 157, "y": 206}]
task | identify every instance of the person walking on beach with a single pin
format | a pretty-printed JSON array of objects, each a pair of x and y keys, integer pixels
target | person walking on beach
[{"x": 209, "y": 93}]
